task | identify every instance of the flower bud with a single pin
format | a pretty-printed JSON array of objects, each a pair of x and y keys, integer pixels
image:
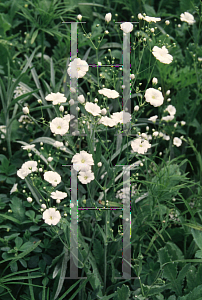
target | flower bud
[
  {"x": 108, "y": 17},
  {"x": 25, "y": 110}
]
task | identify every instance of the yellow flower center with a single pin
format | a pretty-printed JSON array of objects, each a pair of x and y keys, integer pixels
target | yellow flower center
[
  {"x": 85, "y": 177},
  {"x": 153, "y": 97},
  {"x": 83, "y": 160},
  {"x": 51, "y": 217},
  {"x": 59, "y": 127},
  {"x": 78, "y": 68}
]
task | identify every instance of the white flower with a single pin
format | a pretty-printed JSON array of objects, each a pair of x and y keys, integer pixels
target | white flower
[
  {"x": 99, "y": 164},
  {"x": 187, "y": 17},
  {"x": 126, "y": 27},
  {"x": 27, "y": 168},
  {"x": 109, "y": 93},
  {"x": 167, "y": 118},
  {"x": 152, "y": 29},
  {"x": 121, "y": 117},
  {"x": 25, "y": 110},
  {"x": 155, "y": 133},
  {"x": 103, "y": 111},
  {"x": 151, "y": 19},
  {"x": 29, "y": 199},
  {"x": 58, "y": 195},
  {"x": 82, "y": 161},
  {"x": 167, "y": 92},
  {"x": 43, "y": 206},
  {"x": 162, "y": 55},
  {"x": 140, "y": 16},
  {"x": 136, "y": 108},
  {"x": 30, "y": 165},
  {"x": 50, "y": 159},
  {"x": 108, "y": 121},
  {"x": 167, "y": 22},
  {"x": 154, "y": 80},
  {"x": 171, "y": 110},
  {"x": 68, "y": 117},
  {"x": 108, "y": 17},
  {"x": 140, "y": 146},
  {"x": 199, "y": 58},
  {"x": 58, "y": 144},
  {"x": 28, "y": 147},
  {"x": 92, "y": 108},
  {"x": 132, "y": 76},
  {"x": 106, "y": 31},
  {"x": 14, "y": 188},
  {"x": 166, "y": 137},
  {"x": 99, "y": 63},
  {"x": 59, "y": 126},
  {"x": 51, "y": 216},
  {"x": 86, "y": 177},
  {"x": 154, "y": 97},
  {"x": 81, "y": 99},
  {"x": 22, "y": 173},
  {"x": 183, "y": 123},
  {"x": 56, "y": 98},
  {"x": 77, "y": 68},
  {"x": 153, "y": 118},
  {"x": 177, "y": 142},
  {"x": 146, "y": 136},
  {"x": 52, "y": 177},
  {"x": 79, "y": 17}
]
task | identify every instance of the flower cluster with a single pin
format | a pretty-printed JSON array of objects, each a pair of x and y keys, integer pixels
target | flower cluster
[{"x": 82, "y": 162}]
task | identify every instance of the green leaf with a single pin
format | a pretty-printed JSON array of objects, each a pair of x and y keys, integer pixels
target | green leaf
[
  {"x": 169, "y": 268},
  {"x": 149, "y": 10},
  {"x": 14, "y": 267},
  {"x": 4, "y": 23},
  {"x": 34, "y": 228},
  {"x": 197, "y": 235},
  {"x": 18, "y": 210},
  {"x": 34, "y": 36},
  {"x": 198, "y": 254},
  {"x": 26, "y": 246},
  {"x": 18, "y": 242},
  {"x": 62, "y": 273},
  {"x": 195, "y": 294},
  {"x": 2, "y": 177},
  {"x": 30, "y": 214},
  {"x": 122, "y": 293},
  {"x": 10, "y": 218}
]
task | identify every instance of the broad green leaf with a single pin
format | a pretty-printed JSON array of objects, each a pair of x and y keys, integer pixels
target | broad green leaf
[
  {"x": 18, "y": 242},
  {"x": 18, "y": 210},
  {"x": 122, "y": 293}
]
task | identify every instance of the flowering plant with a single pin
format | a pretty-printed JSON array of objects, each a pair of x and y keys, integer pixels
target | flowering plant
[{"x": 100, "y": 170}]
